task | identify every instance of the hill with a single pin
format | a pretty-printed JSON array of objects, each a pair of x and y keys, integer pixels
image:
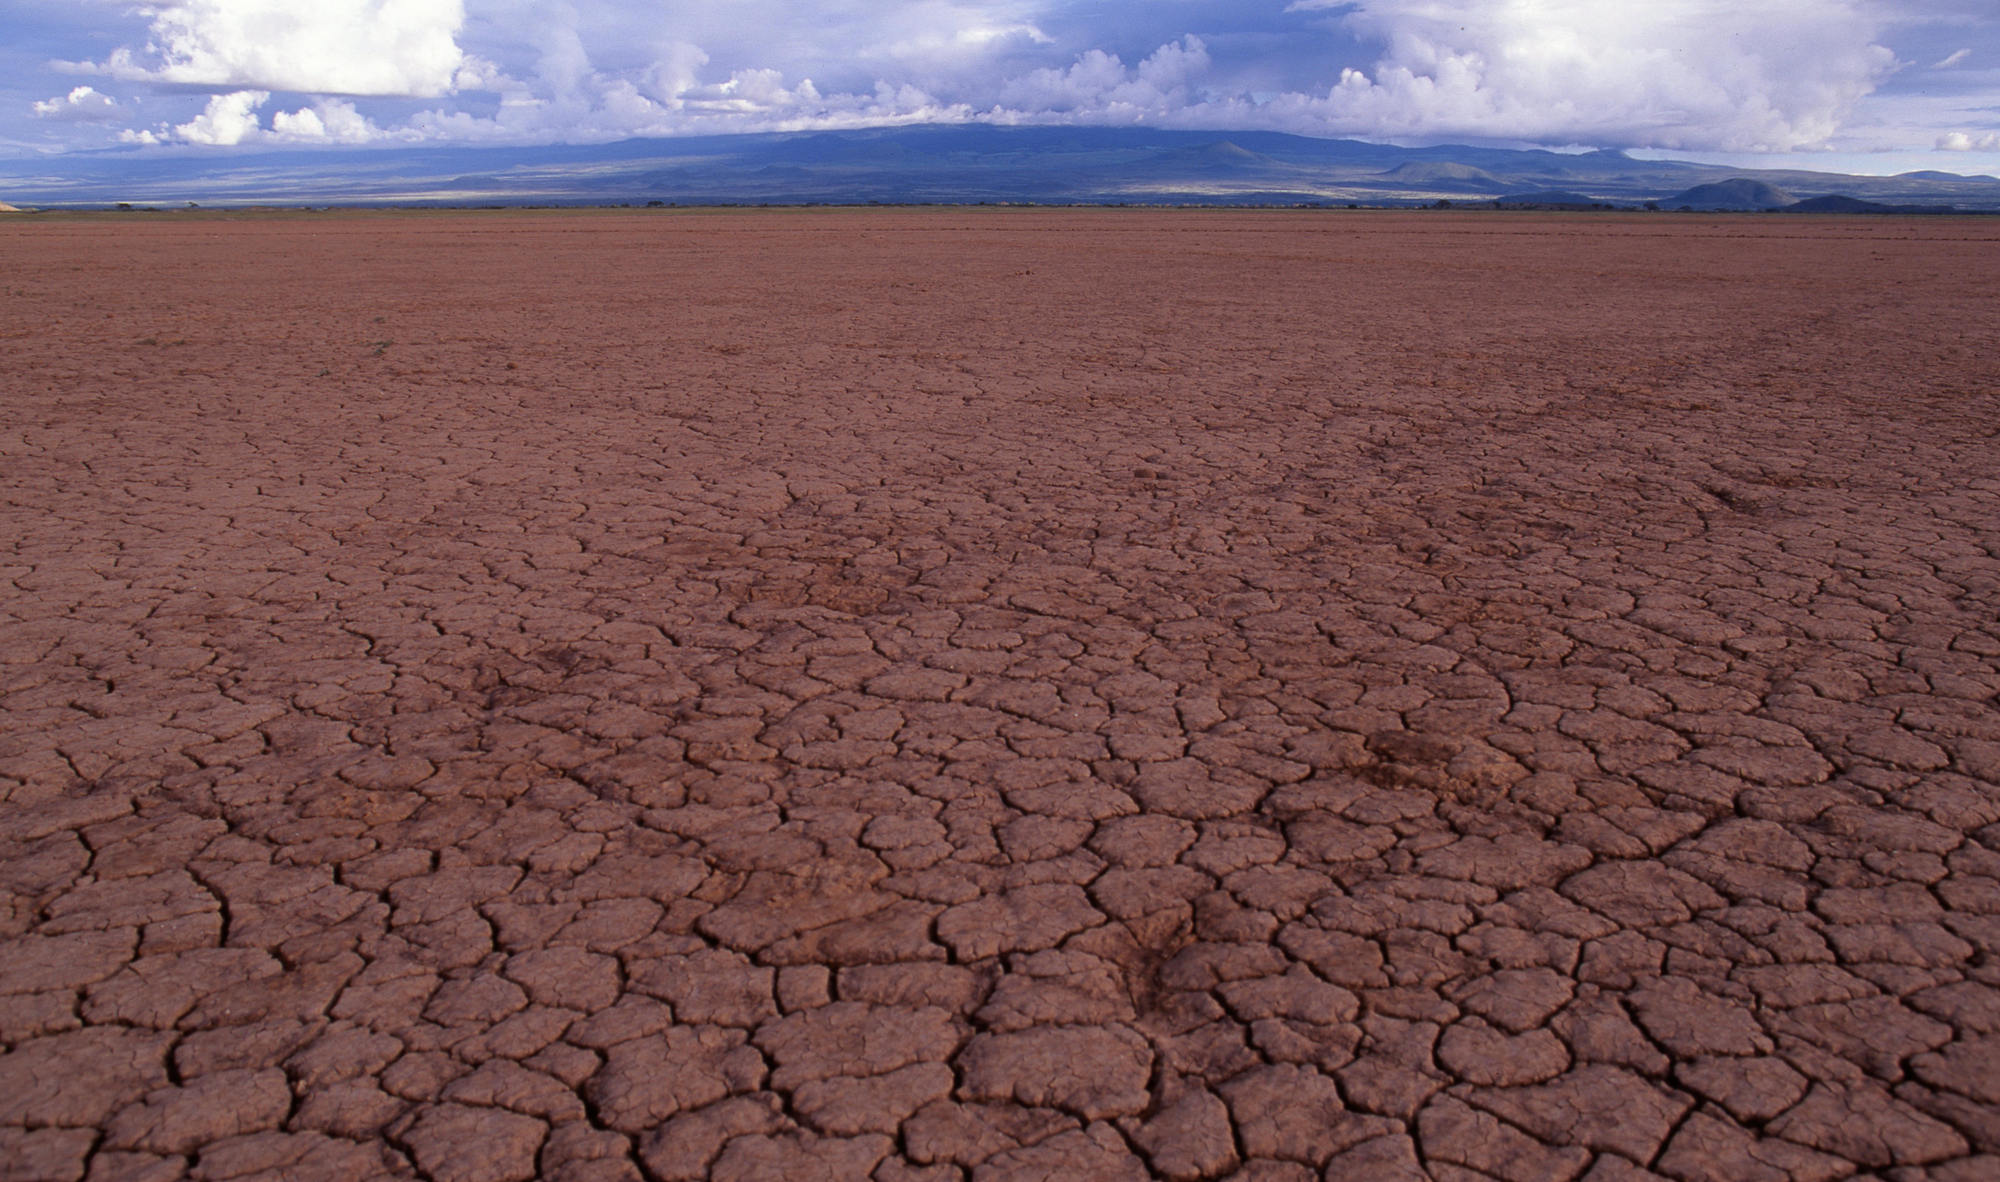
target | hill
[
  {"x": 1837, "y": 203},
  {"x": 1841, "y": 203},
  {"x": 1736, "y": 193}
]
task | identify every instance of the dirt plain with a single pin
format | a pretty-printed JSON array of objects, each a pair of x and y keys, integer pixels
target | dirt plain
[{"x": 928, "y": 694}]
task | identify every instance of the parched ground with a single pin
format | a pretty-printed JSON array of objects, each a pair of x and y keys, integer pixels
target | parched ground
[{"x": 1007, "y": 694}]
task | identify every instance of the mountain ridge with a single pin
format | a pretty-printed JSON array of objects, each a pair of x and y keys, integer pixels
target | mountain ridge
[{"x": 926, "y": 163}]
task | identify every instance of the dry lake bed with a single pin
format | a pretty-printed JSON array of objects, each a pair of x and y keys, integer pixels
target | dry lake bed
[{"x": 999, "y": 694}]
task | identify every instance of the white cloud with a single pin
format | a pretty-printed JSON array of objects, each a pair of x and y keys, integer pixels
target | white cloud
[
  {"x": 1960, "y": 141},
  {"x": 1099, "y": 85},
  {"x": 1771, "y": 76},
  {"x": 329, "y": 121},
  {"x": 83, "y": 104},
  {"x": 1952, "y": 59},
  {"x": 232, "y": 119},
  {"x": 356, "y": 47},
  {"x": 944, "y": 44},
  {"x": 956, "y": 39},
  {"x": 229, "y": 119},
  {"x": 674, "y": 71}
]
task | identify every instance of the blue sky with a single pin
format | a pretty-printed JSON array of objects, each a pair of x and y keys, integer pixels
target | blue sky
[{"x": 1851, "y": 85}]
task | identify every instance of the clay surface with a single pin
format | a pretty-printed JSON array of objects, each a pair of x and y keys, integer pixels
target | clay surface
[{"x": 999, "y": 694}]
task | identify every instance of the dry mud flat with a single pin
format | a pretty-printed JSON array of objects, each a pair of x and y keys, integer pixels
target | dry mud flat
[{"x": 999, "y": 694}]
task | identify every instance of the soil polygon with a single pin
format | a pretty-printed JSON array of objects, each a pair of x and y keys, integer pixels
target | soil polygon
[{"x": 999, "y": 693}]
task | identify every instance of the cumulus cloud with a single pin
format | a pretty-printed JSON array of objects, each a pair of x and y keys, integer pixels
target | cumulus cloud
[
  {"x": 329, "y": 121},
  {"x": 228, "y": 119},
  {"x": 233, "y": 118},
  {"x": 1963, "y": 141},
  {"x": 1771, "y": 76},
  {"x": 1099, "y": 85},
  {"x": 83, "y": 104},
  {"x": 674, "y": 71},
  {"x": 351, "y": 47}
]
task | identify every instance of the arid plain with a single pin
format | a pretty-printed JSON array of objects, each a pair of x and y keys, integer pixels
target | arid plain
[{"x": 999, "y": 694}]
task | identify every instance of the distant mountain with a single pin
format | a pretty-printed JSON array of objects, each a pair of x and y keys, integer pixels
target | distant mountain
[
  {"x": 948, "y": 163},
  {"x": 1736, "y": 193}
]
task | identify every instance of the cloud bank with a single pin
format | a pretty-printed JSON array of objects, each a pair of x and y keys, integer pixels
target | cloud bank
[{"x": 1742, "y": 76}]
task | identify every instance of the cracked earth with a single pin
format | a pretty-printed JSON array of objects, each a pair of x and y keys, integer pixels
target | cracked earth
[{"x": 999, "y": 695}]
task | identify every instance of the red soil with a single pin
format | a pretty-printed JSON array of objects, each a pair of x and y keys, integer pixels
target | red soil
[{"x": 999, "y": 693}]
